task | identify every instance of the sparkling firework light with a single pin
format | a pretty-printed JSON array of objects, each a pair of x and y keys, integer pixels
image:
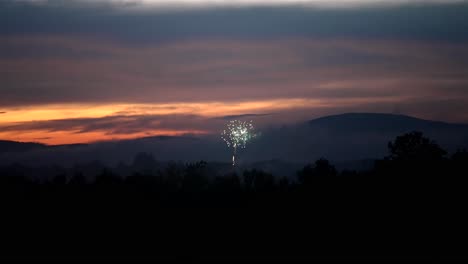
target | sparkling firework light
[{"x": 236, "y": 135}]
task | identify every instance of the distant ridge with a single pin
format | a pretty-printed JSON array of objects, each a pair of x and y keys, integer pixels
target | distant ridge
[
  {"x": 14, "y": 146},
  {"x": 339, "y": 138},
  {"x": 382, "y": 122},
  {"x": 379, "y": 117},
  {"x": 18, "y": 146}
]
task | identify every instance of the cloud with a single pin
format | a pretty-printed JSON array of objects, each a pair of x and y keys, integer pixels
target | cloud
[
  {"x": 229, "y": 117},
  {"x": 81, "y": 130},
  {"x": 70, "y": 52},
  {"x": 230, "y": 71},
  {"x": 3, "y": 113},
  {"x": 43, "y": 138},
  {"x": 185, "y": 4},
  {"x": 110, "y": 124},
  {"x": 114, "y": 127},
  {"x": 410, "y": 21}
]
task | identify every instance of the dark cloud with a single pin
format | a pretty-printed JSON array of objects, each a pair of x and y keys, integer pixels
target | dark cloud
[
  {"x": 42, "y": 138},
  {"x": 231, "y": 70},
  {"x": 3, "y": 113},
  {"x": 117, "y": 125},
  {"x": 229, "y": 117},
  {"x": 432, "y": 21}
]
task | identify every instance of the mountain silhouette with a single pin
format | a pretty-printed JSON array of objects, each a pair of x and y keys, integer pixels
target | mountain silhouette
[
  {"x": 381, "y": 123},
  {"x": 343, "y": 138},
  {"x": 351, "y": 136},
  {"x": 13, "y": 146}
]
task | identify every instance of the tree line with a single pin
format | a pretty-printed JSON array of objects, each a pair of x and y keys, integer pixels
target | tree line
[
  {"x": 414, "y": 165},
  {"x": 410, "y": 204}
]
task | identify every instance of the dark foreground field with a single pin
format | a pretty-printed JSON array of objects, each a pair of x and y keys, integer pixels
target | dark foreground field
[
  {"x": 338, "y": 220},
  {"x": 410, "y": 206}
]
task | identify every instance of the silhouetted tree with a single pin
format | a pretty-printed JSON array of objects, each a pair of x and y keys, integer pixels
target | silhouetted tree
[
  {"x": 173, "y": 176},
  {"x": 248, "y": 180},
  {"x": 107, "y": 178},
  {"x": 283, "y": 183},
  {"x": 460, "y": 157},
  {"x": 227, "y": 183},
  {"x": 459, "y": 165},
  {"x": 264, "y": 181},
  {"x": 60, "y": 179},
  {"x": 195, "y": 178},
  {"x": 78, "y": 179},
  {"x": 144, "y": 163},
  {"x": 349, "y": 173},
  {"x": 321, "y": 169},
  {"x": 257, "y": 180},
  {"x": 415, "y": 147},
  {"x": 416, "y": 164}
]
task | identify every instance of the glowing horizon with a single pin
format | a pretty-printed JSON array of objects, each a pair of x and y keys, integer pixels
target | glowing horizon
[
  {"x": 55, "y": 124},
  {"x": 83, "y": 71},
  {"x": 15, "y": 122}
]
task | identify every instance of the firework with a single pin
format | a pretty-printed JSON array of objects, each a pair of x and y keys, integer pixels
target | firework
[{"x": 236, "y": 135}]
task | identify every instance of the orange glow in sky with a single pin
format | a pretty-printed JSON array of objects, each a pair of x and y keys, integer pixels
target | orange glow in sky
[
  {"x": 15, "y": 123},
  {"x": 26, "y": 115},
  {"x": 72, "y": 137}
]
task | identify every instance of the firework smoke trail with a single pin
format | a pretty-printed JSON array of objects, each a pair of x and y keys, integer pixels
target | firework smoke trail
[{"x": 236, "y": 135}]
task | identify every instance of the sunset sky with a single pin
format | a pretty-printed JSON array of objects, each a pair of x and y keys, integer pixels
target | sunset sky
[{"x": 75, "y": 71}]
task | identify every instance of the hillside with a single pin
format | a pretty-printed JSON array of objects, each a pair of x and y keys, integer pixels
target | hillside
[
  {"x": 13, "y": 146},
  {"x": 340, "y": 138}
]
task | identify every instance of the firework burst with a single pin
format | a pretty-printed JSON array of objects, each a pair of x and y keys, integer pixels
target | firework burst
[{"x": 236, "y": 135}]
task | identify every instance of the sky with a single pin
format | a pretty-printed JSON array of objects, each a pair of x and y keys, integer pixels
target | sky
[{"x": 77, "y": 71}]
